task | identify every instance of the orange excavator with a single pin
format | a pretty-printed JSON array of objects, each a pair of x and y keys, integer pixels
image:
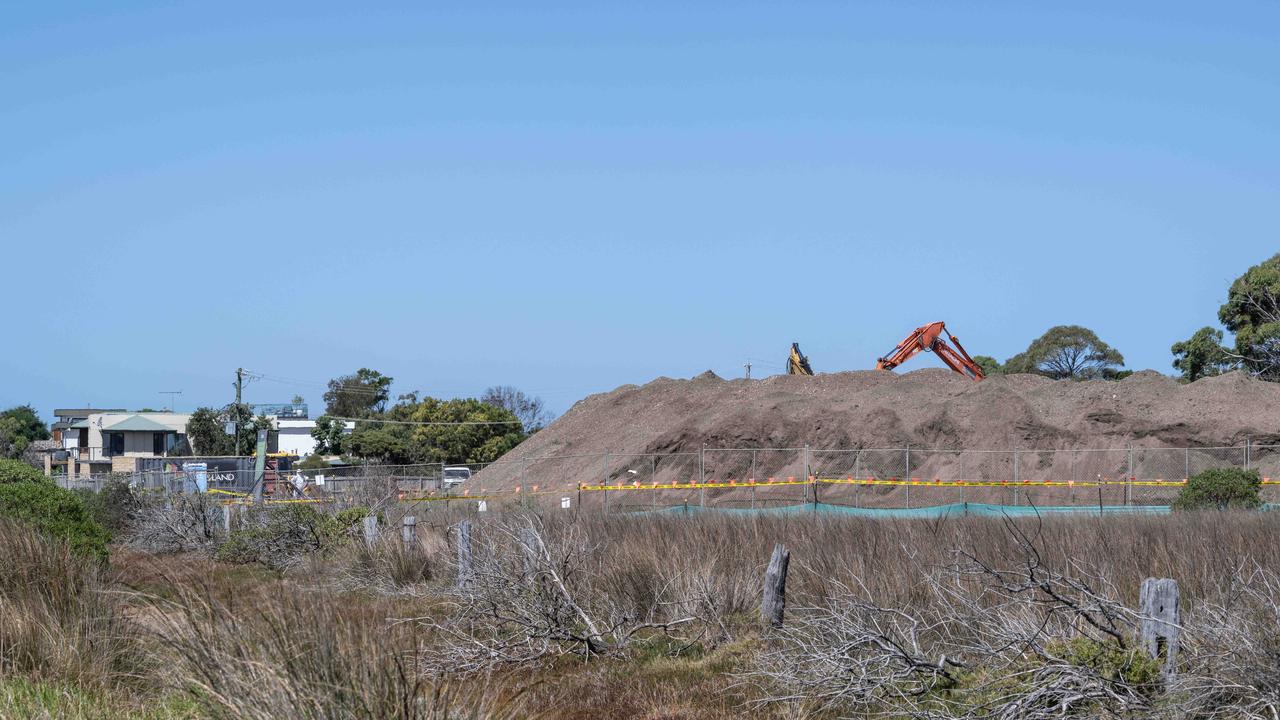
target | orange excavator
[{"x": 933, "y": 338}]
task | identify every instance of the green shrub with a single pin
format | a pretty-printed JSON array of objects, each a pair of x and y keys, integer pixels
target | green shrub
[
  {"x": 57, "y": 512},
  {"x": 113, "y": 506},
  {"x": 1221, "y": 489},
  {"x": 13, "y": 471},
  {"x": 281, "y": 535}
]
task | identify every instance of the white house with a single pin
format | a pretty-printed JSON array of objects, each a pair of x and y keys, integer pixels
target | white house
[{"x": 295, "y": 436}]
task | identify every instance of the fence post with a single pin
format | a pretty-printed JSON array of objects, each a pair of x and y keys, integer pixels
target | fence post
[
  {"x": 1248, "y": 452},
  {"x": 775, "y": 587},
  {"x": 1161, "y": 621},
  {"x": 370, "y": 530},
  {"x": 702, "y": 475},
  {"x": 226, "y": 518},
  {"x": 464, "y": 552},
  {"x": 907, "y": 476},
  {"x": 653, "y": 478},
  {"x": 409, "y": 531},
  {"x": 752, "y": 479},
  {"x": 1186, "y": 472},
  {"x": 1128, "y": 479},
  {"x": 529, "y": 550},
  {"x": 808, "y": 473},
  {"x": 1016, "y": 468}
]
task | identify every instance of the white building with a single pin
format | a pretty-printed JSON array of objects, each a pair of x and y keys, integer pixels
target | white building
[{"x": 295, "y": 436}]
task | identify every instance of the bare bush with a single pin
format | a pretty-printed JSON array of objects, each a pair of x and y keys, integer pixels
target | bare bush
[
  {"x": 1016, "y": 640},
  {"x": 1231, "y": 650},
  {"x": 177, "y": 523},
  {"x": 529, "y": 597}
]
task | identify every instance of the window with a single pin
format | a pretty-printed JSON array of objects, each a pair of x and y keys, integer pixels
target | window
[
  {"x": 157, "y": 443},
  {"x": 115, "y": 443}
]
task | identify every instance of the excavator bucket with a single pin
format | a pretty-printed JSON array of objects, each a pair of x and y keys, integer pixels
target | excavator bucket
[{"x": 797, "y": 363}]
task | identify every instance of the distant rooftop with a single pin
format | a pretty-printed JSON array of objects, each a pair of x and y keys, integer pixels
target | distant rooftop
[{"x": 85, "y": 412}]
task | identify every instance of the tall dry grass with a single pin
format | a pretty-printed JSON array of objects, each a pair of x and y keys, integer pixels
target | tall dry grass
[{"x": 60, "y": 617}]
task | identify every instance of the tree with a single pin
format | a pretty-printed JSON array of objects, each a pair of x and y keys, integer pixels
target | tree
[
  {"x": 990, "y": 366},
  {"x": 1221, "y": 489},
  {"x": 529, "y": 410},
  {"x": 471, "y": 431},
  {"x": 1252, "y": 312},
  {"x": 206, "y": 435},
  {"x": 378, "y": 444},
  {"x": 19, "y": 426},
  {"x": 328, "y": 434},
  {"x": 1067, "y": 351},
  {"x": 1202, "y": 355},
  {"x": 206, "y": 430},
  {"x": 361, "y": 394}
]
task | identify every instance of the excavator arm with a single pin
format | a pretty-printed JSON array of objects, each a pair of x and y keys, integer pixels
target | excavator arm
[{"x": 933, "y": 338}]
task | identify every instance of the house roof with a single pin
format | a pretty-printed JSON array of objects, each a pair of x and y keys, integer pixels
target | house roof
[
  {"x": 85, "y": 412},
  {"x": 137, "y": 423}
]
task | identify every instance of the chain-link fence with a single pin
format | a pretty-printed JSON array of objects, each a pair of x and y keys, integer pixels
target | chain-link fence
[{"x": 757, "y": 478}]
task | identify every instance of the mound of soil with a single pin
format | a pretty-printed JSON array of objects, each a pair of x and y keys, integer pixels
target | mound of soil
[{"x": 926, "y": 409}]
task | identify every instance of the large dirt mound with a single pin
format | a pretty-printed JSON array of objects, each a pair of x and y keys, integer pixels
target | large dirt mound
[{"x": 926, "y": 409}]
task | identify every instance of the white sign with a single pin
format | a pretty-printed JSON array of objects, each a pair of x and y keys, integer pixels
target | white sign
[
  {"x": 319, "y": 479},
  {"x": 564, "y": 503},
  {"x": 483, "y": 506}
]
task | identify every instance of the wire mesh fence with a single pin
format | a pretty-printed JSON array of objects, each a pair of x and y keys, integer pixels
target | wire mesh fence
[{"x": 757, "y": 478}]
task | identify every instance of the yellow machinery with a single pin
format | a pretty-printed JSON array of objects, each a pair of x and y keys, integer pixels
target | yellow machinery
[{"x": 797, "y": 363}]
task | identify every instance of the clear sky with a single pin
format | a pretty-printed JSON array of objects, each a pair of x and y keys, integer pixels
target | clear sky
[{"x": 569, "y": 197}]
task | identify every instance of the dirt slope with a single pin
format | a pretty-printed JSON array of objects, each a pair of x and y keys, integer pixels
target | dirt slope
[{"x": 926, "y": 409}]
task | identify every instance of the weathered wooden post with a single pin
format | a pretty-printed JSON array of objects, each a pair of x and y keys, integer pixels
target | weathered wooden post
[
  {"x": 226, "y": 518},
  {"x": 409, "y": 531},
  {"x": 530, "y": 546},
  {"x": 464, "y": 552},
  {"x": 1161, "y": 621},
  {"x": 370, "y": 530},
  {"x": 775, "y": 586}
]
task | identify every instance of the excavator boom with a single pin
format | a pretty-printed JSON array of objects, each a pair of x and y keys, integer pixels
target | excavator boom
[
  {"x": 797, "y": 363},
  {"x": 933, "y": 338}
]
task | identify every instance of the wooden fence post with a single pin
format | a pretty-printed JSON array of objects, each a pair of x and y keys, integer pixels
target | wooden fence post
[
  {"x": 775, "y": 586},
  {"x": 1161, "y": 620},
  {"x": 226, "y": 518},
  {"x": 530, "y": 546},
  {"x": 409, "y": 531},
  {"x": 464, "y": 552},
  {"x": 370, "y": 530}
]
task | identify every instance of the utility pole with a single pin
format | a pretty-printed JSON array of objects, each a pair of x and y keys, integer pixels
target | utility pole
[{"x": 236, "y": 410}]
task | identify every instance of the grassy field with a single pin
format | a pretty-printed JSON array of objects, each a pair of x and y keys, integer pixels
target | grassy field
[{"x": 648, "y": 617}]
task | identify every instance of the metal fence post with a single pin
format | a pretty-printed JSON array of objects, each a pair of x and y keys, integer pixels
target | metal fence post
[
  {"x": 808, "y": 473},
  {"x": 907, "y": 476},
  {"x": 752, "y": 479},
  {"x": 1248, "y": 452},
  {"x": 1186, "y": 472},
  {"x": 653, "y": 478},
  {"x": 1016, "y": 468},
  {"x": 857, "y": 459},
  {"x": 1128, "y": 480},
  {"x": 702, "y": 475}
]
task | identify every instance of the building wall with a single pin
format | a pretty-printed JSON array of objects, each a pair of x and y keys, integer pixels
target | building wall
[{"x": 295, "y": 436}]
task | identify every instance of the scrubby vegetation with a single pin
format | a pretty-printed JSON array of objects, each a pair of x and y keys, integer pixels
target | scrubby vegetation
[
  {"x": 1221, "y": 489},
  {"x": 586, "y": 616}
]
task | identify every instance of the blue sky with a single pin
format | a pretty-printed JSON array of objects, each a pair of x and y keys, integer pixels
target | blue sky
[{"x": 569, "y": 197}]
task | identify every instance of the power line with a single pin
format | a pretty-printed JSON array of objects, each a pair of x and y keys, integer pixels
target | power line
[{"x": 414, "y": 422}]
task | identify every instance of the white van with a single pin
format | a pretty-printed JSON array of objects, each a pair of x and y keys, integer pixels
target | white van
[{"x": 454, "y": 476}]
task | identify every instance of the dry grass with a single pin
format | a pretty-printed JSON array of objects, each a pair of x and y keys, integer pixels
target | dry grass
[{"x": 332, "y": 637}]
